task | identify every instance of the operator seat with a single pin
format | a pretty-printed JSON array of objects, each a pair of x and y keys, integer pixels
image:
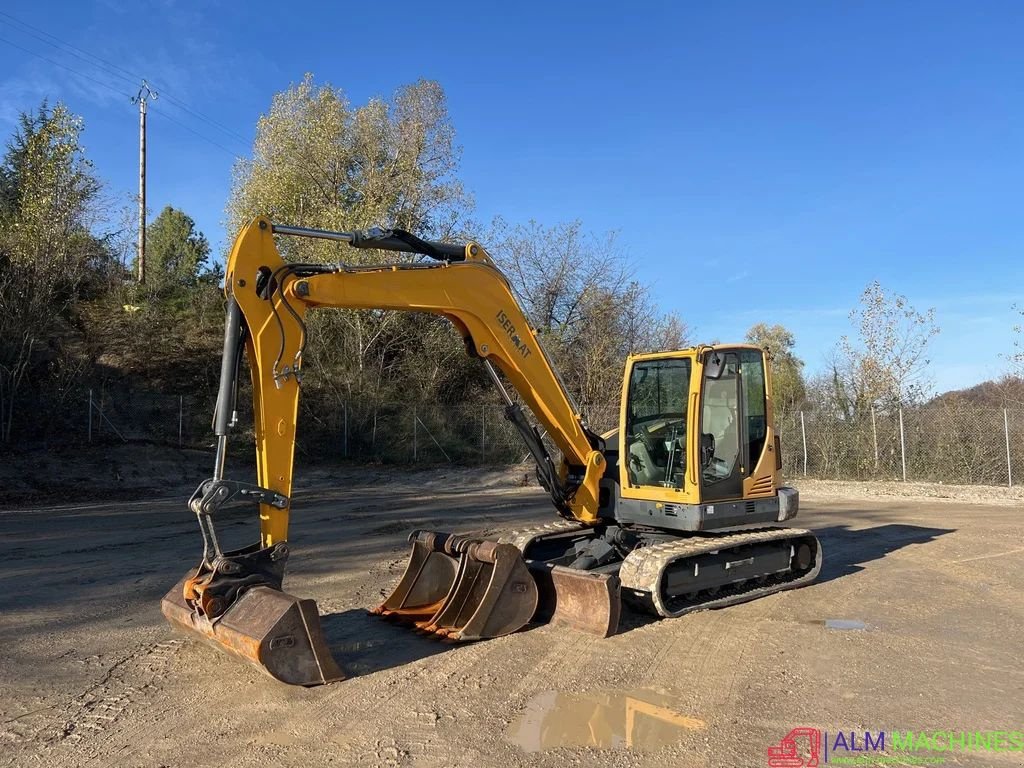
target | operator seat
[{"x": 642, "y": 468}]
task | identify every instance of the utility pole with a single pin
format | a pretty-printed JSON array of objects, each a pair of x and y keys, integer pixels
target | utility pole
[{"x": 145, "y": 93}]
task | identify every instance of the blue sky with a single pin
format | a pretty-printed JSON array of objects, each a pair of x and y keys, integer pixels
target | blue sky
[{"x": 760, "y": 161}]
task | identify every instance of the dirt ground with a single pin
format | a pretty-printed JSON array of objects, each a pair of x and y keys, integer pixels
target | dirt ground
[{"x": 916, "y": 623}]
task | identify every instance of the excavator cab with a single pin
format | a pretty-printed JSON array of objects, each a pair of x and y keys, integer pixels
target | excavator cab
[{"x": 640, "y": 507}]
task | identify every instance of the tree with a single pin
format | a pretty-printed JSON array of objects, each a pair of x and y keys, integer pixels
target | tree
[
  {"x": 885, "y": 365},
  {"x": 49, "y": 200},
  {"x": 1017, "y": 356},
  {"x": 787, "y": 369},
  {"x": 176, "y": 253},
  {"x": 589, "y": 311},
  {"x": 320, "y": 161}
]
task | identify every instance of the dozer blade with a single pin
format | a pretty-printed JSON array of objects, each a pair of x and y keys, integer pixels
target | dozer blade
[
  {"x": 277, "y": 632},
  {"x": 583, "y": 600},
  {"x": 462, "y": 588}
]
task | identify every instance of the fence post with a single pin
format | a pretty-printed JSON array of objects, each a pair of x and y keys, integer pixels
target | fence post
[
  {"x": 181, "y": 411},
  {"x": 874, "y": 436},
  {"x": 803, "y": 431},
  {"x": 483, "y": 434},
  {"x": 415, "y": 433},
  {"x": 903, "y": 447},
  {"x": 90, "y": 415},
  {"x": 344, "y": 438},
  {"x": 1009, "y": 466}
]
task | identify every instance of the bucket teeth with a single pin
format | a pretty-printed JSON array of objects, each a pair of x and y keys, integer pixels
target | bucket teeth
[
  {"x": 462, "y": 588},
  {"x": 271, "y": 629}
]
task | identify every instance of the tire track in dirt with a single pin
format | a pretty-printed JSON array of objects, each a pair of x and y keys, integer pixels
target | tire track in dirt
[{"x": 78, "y": 731}]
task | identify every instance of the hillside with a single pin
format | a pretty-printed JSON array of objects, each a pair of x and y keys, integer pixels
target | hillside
[{"x": 1006, "y": 392}]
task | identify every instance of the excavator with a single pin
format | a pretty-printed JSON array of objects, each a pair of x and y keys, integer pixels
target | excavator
[{"x": 675, "y": 511}]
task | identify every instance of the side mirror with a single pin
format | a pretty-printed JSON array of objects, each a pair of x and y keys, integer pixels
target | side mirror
[{"x": 714, "y": 364}]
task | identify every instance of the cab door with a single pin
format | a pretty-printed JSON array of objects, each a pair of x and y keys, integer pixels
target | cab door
[{"x": 733, "y": 427}]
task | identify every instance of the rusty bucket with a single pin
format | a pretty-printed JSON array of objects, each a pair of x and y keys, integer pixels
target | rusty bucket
[
  {"x": 462, "y": 588},
  {"x": 275, "y": 631},
  {"x": 586, "y": 601}
]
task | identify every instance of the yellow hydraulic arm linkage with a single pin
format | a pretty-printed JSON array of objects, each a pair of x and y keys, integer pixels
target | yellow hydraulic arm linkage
[{"x": 458, "y": 587}]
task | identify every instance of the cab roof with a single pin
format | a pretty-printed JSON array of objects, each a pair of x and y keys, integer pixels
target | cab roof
[{"x": 689, "y": 351}]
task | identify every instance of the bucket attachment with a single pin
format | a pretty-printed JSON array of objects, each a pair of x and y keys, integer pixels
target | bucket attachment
[
  {"x": 277, "y": 632},
  {"x": 583, "y": 600},
  {"x": 462, "y": 588}
]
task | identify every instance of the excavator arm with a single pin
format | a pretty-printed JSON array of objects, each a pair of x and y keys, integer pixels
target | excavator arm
[
  {"x": 458, "y": 587},
  {"x": 464, "y": 286}
]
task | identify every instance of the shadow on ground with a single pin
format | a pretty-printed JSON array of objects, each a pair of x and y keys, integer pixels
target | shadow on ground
[
  {"x": 846, "y": 549},
  {"x": 363, "y": 644}
]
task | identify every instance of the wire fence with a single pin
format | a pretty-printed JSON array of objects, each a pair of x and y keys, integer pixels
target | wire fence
[
  {"x": 946, "y": 444},
  {"x": 940, "y": 443}
]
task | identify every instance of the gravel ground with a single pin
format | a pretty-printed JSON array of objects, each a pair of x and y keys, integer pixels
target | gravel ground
[{"x": 914, "y": 624}]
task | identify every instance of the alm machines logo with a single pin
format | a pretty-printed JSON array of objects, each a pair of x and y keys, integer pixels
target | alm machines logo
[
  {"x": 811, "y": 747},
  {"x": 800, "y": 748}
]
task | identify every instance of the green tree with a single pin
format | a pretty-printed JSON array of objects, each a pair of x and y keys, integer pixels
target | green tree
[
  {"x": 320, "y": 161},
  {"x": 49, "y": 202},
  {"x": 787, "y": 369},
  {"x": 176, "y": 253}
]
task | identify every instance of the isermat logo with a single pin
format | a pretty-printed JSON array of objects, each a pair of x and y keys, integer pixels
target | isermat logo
[{"x": 812, "y": 747}]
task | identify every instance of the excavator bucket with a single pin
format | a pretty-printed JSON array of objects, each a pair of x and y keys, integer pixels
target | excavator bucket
[
  {"x": 462, "y": 588},
  {"x": 277, "y": 632},
  {"x": 583, "y": 600}
]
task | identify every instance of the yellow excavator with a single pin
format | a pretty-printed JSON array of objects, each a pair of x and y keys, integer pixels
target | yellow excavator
[{"x": 675, "y": 511}]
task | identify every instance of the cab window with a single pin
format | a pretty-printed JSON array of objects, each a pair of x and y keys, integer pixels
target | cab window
[{"x": 655, "y": 435}]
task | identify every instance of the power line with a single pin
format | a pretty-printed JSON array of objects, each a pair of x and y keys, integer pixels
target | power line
[
  {"x": 68, "y": 48},
  {"x": 165, "y": 115},
  {"x": 181, "y": 105},
  {"x": 111, "y": 69},
  {"x": 65, "y": 66},
  {"x": 197, "y": 133}
]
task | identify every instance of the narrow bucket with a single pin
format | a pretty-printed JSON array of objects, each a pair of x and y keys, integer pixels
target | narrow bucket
[
  {"x": 462, "y": 588},
  {"x": 275, "y": 631},
  {"x": 428, "y": 578}
]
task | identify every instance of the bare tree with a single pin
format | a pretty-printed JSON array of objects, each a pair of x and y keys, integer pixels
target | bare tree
[
  {"x": 1017, "y": 356},
  {"x": 885, "y": 364},
  {"x": 580, "y": 293}
]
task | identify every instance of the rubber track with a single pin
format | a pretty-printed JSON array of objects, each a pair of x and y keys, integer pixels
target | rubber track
[
  {"x": 644, "y": 568},
  {"x": 522, "y": 538}
]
